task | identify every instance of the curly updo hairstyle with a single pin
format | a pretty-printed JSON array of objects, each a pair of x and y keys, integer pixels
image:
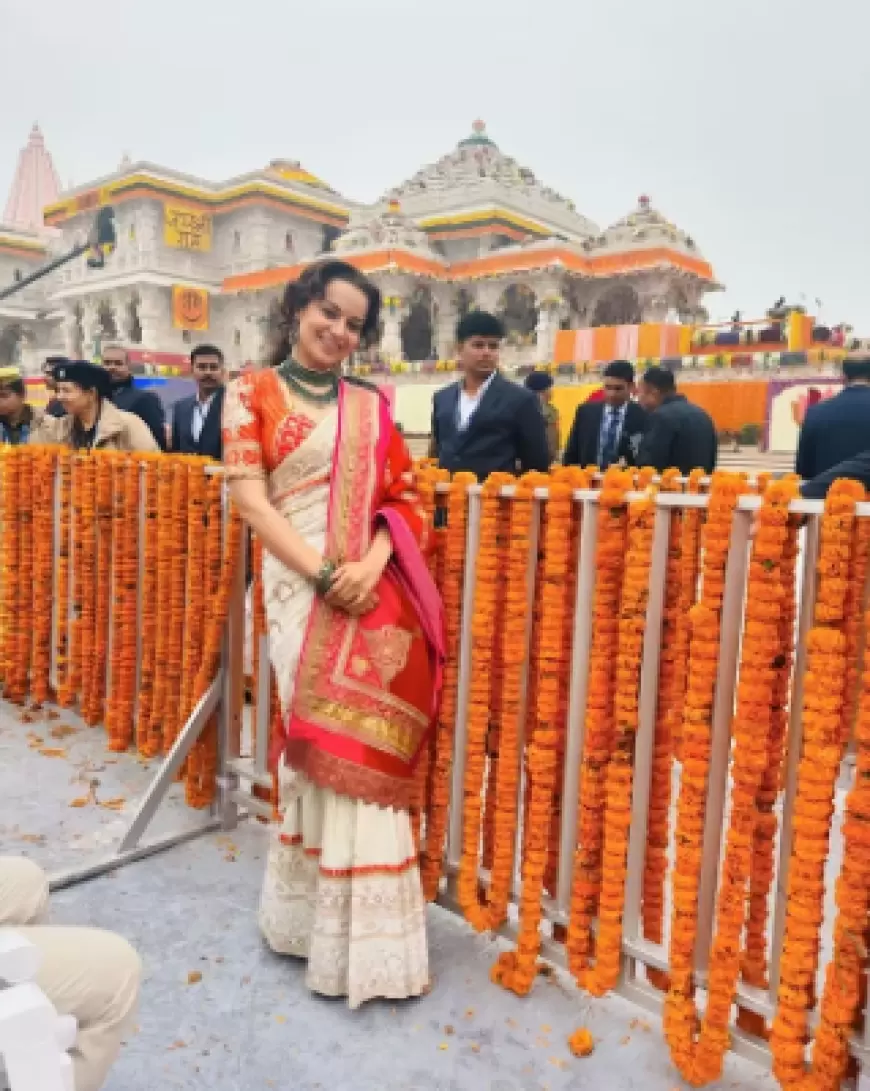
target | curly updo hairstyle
[{"x": 311, "y": 286}]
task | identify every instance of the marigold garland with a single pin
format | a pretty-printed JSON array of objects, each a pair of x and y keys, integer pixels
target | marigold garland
[
  {"x": 854, "y": 616},
  {"x": 9, "y": 551},
  {"x": 824, "y": 692},
  {"x": 690, "y": 550},
  {"x": 147, "y": 741},
  {"x": 85, "y": 569},
  {"x": 43, "y": 572},
  {"x": 516, "y": 970},
  {"x": 669, "y": 697},
  {"x": 18, "y": 685},
  {"x": 478, "y": 717},
  {"x": 680, "y": 1018},
  {"x": 63, "y": 678},
  {"x": 700, "y": 1059},
  {"x": 754, "y": 967},
  {"x": 165, "y": 544},
  {"x": 454, "y": 567},
  {"x": 598, "y": 744},
  {"x": 172, "y": 716},
  {"x": 95, "y": 668},
  {"x": 575, "y": 478},
  {"x": 201, "y": 774},
  {"x": 845, "y": 977},
  {"x": 620, "y": 769}
]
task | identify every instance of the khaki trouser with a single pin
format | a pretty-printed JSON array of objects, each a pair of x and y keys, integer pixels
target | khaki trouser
[{"x": 90, "y": 974}]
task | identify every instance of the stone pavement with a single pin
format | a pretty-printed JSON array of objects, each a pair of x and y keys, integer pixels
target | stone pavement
[{"x": 220, "y": 1012}]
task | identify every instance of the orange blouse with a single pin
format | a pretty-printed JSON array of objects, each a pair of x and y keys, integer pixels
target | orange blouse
[{"x": 261, "y": 425}]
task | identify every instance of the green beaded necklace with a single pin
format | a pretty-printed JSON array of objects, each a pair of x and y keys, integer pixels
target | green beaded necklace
[{"x": 302, "y": 379}]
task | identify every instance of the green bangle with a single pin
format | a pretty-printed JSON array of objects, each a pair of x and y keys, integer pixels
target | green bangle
[{"x": 325, "y": 578}]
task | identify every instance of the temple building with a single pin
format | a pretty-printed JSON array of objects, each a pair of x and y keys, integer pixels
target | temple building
[{"x": 198, "y": 260}]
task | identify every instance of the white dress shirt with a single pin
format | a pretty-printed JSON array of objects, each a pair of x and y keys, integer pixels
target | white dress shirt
[
  {"x": 200, "y": 412},
  {"x": 468, "y": 403}
]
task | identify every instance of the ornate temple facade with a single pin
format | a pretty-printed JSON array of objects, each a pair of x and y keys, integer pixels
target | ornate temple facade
[{"x": 198, "y": 260}]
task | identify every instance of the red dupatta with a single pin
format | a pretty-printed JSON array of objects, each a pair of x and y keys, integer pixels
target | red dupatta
[{"x": 367, "y": 689}]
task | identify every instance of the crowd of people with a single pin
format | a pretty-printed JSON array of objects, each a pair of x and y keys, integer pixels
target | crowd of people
[
  {"x": 320, "y": 472},
  {"x": 98, "y": 406}
]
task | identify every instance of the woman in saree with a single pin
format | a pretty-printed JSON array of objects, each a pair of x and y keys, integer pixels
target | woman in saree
[{"x": 321, "y": 475}]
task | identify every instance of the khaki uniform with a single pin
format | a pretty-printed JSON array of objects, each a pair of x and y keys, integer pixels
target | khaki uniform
[
  {"x": 551, "y": 418},
  {"x": 116, "y": 431},
  {"x": 87, "y": 973}
]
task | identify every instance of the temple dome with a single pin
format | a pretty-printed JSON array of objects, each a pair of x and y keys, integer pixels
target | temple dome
[
  {"x": 291, "y": 170},
  {"x": 646, "y": 227},
  {"x": 475, "y": 162},
  {"x": 385, "y": 227}
]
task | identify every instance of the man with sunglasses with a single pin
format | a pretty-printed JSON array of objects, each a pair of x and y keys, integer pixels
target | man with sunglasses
[{"x": 196, "y": 420}]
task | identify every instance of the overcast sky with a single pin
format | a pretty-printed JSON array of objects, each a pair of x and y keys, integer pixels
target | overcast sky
[{"x": 746, "y": 121}]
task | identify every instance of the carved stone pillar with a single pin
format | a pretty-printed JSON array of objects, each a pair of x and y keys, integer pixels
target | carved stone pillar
[
  {"x": 71, "y": 332},
  {"x": 487, "y": 296},
  {"x": 153, "y": 318},
  {"x": 91, "y": 329}
]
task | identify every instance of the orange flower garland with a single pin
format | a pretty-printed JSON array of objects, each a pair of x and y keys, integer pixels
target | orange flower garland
[
  {"x": 575, "y": 478},
  {"x": 124, "y": 609},
  {"x": 43, "y": 572},
  {"x": 195, "y": 596},
  {"x": 95, "y": 677},
  {"x": 754, "y": 968},
  {"x": 846, "y": 972},
  {"x": 201, "y": 776},
  {"x": 700, "y": 1061},
  {"x": 824, "y": 691},
  {"x": 487, "y": 576},
  {"x": 65, "y": 695},
  {"x": 146, "y": 741},
  {"x": 670, "y": 674},
  {"x": 85, "y": 569},
  {"x": 620, "y": 770},
  {"x": 854, "y": 615},
  {"x": 451, "y": 591},
  {"x": 598, "y": 745},
  {"x": 165, "y": 544},
  {"x": 18, "y": 683},
  {"x": 172, "y": 667},
  {"x": 690, "y": 551},
  {"x": 679, "y": 1013},
  {"x": 516, "y": 970}
]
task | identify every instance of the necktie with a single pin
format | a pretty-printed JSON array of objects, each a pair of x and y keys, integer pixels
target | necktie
[{"x": 610, "y": 445}]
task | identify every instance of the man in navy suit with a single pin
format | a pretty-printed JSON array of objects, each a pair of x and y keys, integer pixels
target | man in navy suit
[
  {"x": 837, "y": 429},
  {"x": 196, "y": 421},
  {"x": 485, "y": 423},
  {"x": 608, "y": 431}
]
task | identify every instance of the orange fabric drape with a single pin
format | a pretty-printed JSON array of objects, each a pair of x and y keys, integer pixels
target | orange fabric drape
[
  {"x": 563, "y": 349},
  {"x": 731, "y": 405}
]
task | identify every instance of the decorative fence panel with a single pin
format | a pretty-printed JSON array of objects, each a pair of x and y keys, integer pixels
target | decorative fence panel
[{"x": 650, "y": 690}]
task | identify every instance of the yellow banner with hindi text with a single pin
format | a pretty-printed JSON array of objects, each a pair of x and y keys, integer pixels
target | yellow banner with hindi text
[{"x": 186, "y": 228}]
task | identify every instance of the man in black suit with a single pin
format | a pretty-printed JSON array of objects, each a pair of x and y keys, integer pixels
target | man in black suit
[
  {"x": 196, "y": 420},
  {"x": 679, "y": 434},
  {"x": 608, "y": 431},
  {"x": 129, "y": 398},
  {"x": 485, "y": 423},
  {"x": 856, "y": 468},
  {"x": 839, "y": 428}
]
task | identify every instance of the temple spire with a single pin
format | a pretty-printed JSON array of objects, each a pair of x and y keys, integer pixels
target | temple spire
[{"x": 35, "y": 185}]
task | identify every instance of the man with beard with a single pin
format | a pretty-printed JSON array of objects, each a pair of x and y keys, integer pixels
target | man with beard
[
  {"x": 196, "y": 420},
  {"x": 128, "y": 398}
]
